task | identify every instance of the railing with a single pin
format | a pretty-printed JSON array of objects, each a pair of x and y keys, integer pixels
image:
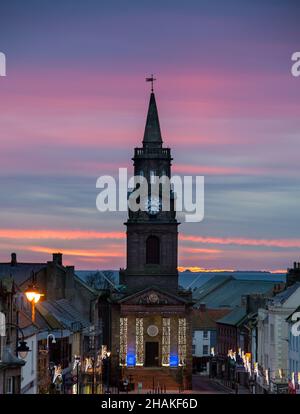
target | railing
[{"x": 152, "y": 151}]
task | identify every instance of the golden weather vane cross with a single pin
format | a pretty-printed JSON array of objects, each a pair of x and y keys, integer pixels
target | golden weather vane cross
[{"x": 151, "y": 79}]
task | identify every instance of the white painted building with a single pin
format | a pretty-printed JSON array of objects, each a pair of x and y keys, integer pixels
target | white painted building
[
  {"x": 201, "y": 343},
  {"x": 294, "y": 349},
  {"x": 29, "y": 370},
  {"x": 273, "y": 336}
]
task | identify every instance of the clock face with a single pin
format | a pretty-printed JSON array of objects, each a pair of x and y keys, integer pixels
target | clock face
[
  {"x": 153, "y": 205},
  {"x": 153, "y": 298},
  {"x": 152, "y": 330}
]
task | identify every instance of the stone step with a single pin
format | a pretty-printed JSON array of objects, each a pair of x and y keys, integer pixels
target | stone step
[{"x": 162, "y": 377}]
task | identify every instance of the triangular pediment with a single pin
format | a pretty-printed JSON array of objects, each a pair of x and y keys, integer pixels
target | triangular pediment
[{"x": 152, "y": 296}]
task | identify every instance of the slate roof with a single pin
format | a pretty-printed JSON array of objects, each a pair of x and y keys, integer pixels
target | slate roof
[
  {"x": 207, "y": 319},
  {"x": 61, "y": 314},
  {"x": 283, "y": 296},
  {"x": 84, "y": 284},
  {"x": 211, "y": 285},
  {"x": 235, "y": 317},
  {"x": 227, "y": 291},
  {"x": 28, "y": 327},
  {"x": 21, "y": 272}
]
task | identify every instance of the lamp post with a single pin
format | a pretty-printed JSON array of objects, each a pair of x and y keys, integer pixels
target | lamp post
[
  {"x": 77, "y": 364},
  {"x": 33, "y": 296},
  {"x": 51, "y": 365},
  {"x": 106, "y": 358}
]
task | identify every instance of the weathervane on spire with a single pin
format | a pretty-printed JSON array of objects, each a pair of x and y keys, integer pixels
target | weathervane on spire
[{"x": 151, "y": 79}]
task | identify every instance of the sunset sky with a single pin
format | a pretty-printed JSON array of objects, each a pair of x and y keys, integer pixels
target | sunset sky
[{"x": 73, "y": 107}]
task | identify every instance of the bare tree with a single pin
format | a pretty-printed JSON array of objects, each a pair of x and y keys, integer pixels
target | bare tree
[{"x": 101, "y": 280}]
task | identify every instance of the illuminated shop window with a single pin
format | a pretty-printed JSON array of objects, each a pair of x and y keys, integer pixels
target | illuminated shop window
[
  {"x": 123, "y": 341},
  {"x": 139, "y": 341}
]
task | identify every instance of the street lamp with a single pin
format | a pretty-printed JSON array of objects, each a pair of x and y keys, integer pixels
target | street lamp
[
  {"x": 53, "y": 339},
  {"x": 22, "y": 349},
  {"x": 33, "y": 296}
]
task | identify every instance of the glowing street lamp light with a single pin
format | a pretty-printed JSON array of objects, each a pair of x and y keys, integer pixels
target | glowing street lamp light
[{"x": 33, "y": 296}]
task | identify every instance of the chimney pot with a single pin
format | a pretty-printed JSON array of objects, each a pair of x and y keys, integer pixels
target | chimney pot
[{"x": 13, "y": 259}]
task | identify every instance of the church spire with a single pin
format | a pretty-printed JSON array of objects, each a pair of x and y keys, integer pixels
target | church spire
[{"x": 152, "y": 134}]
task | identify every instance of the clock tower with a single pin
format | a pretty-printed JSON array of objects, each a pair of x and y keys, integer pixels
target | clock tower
[
  {"x": 147, "y": 316},
  {"x": 152, "y": 236}
]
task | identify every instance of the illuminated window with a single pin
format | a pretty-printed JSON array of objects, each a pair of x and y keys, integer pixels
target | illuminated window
[
  {"x": 139, "y": 341},
  {"x": 166, "y": 330},
  {"x": 182, "y": 341},
  {"x": 123, "y": 341}
]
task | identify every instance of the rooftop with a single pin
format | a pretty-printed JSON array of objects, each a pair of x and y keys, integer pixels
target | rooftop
[
  {"x": 227, "y": 291},
  {"x": 207, "y": 319},
  {"x": 235, "y": 317},
  {"x": 61, "y": 314}
]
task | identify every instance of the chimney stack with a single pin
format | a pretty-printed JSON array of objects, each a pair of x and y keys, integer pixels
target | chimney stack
[
  {"x": 13, "y": 259},
  {"x": 57, "y": 258},
  {"x": 293, "y": 275},
  {"x": 202, "y": 307}
]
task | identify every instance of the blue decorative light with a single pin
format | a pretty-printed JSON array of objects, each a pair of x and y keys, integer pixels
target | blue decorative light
[
  {"x": 173, "y": 360},
  {"x": 130, "y": 360}
]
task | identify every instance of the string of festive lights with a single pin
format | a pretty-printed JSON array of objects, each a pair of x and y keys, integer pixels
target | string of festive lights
[
  {"x": 123, "y": 341},
  {"x": 166, "y": 333},
  {"x": 139, "y": 341}
]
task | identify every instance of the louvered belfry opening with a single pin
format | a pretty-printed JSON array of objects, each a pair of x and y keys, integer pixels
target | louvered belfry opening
[{"x": 152, "y": 250}]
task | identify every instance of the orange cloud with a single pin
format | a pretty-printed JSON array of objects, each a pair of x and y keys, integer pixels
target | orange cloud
[
  {"x": 200, "y": 250},
  {"x": 201, "y": 269},
  {"x": 71, "y": 252}
]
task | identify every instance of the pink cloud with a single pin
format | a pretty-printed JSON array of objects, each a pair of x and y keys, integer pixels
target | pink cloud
[
  {"x": 284, "y": 243},
  {"x": 56, "y": 234},
  {"x": 216, "y": 170}
]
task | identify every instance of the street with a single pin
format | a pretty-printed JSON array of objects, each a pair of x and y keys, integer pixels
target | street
[{"x": 204, "y": 385}]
